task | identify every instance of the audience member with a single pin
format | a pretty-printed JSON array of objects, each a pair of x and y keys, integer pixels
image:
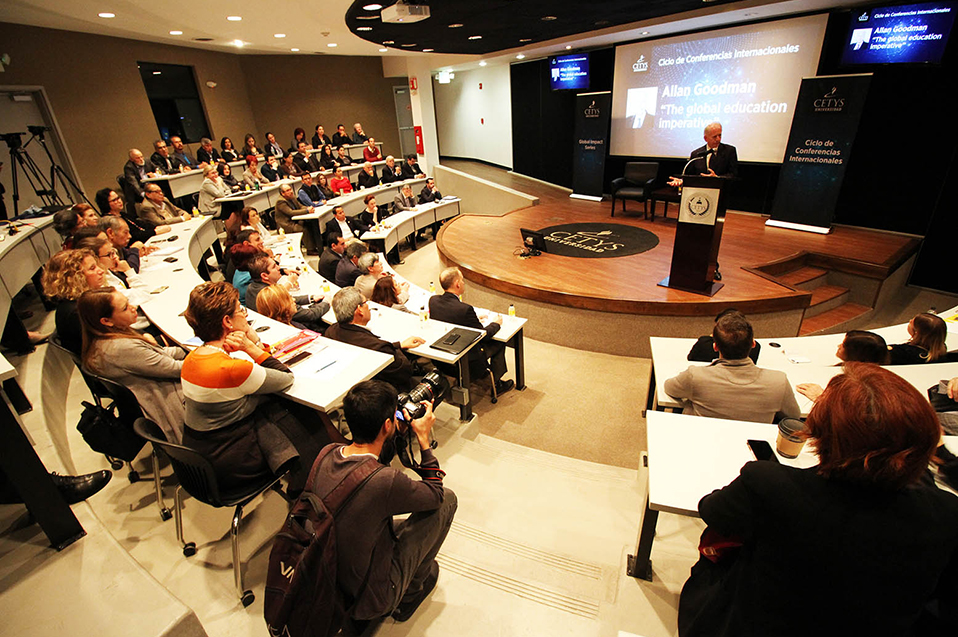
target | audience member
[
  {"x": 345, "y": 226},
  {"x": 309, "y": 309},
  {"x": 403, "y": 570},
  {"x": 272, "y": 147},
  {"x": 207, "y": 154},
  {"x": 276, "y": 302},
  {"x": 857, "y": 347},
  {"x": 288, "y": 168},
  {"x": 340, "y": 185},
  {"x": 299, "y": 136},
  {"x": 732, "y": 386},
  {"x": 449, "y": 308},
  {"x": 352, "y": 314},
  {"x": 250, "y": 238},
  {"x": 411, "y": 170},
  {"x": 118, "y": 232},
  {"x": 326, "y": 159},
  {"x": 704, "y": 349},
  {"x": 288, "y": 207},
  {"x": 430, "y": 192},
  {"x": 347, "y": 270},
  {"x": 182, "y": 153},
  {"x": 135, "y": 171},
  {"x": 249, "y": 146},
  {"x": 163, "y": 162},
  {"x": 309, "y": 194},
  {"x": 927, "y": 342},
  {"x": 111, "y": 205},
  {"x": 371, "y": 269},
  {"x": 371, "y": 151},
  {"x": 332, "y": 255},
  {"x": 114, "y": 350},
  {"x": 404, "y": 200},
  {"x": 323, "y": 186},
  {"x": 159, "y": 210},
  {"x": 303, "y": 159},
  {"x": 240, "y": 255},
  {"x": 271, "y": 169},
  {"x": 88, "y": 215},
  {"x": 66, "y": 276},
  {"x": 252, "y": 174},
  {"x": 340, "y": 138},
  {"x": 230, "y": 417},
  {"x": 252, "y": 220},
  {"x": 388, "y": 292},
  {"x": 359, "y": 137},
  {"x": 66, "y": 222},
  {"x": 117, "y": 273},
  {"x": 343, "y": 158},
  {"x": 391, "y": 172},
  {"x": 320, "y": 138},
  {"x": 226, "y": 176},
  {"x": 211, "y": 189},
  {"x": 367, "y": 177},
  {"x": 865, "y": 515},
  {"x": 227, "y": 152}
]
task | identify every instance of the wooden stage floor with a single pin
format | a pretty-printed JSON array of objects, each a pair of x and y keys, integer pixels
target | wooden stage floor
[{"x": 483, "y": 247}]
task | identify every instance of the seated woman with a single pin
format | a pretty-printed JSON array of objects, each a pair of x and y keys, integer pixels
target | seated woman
[
  {"x": 326, "y": 159},
  {"x": 861, "y": 538},
  {"x": 230, "y": 416},
  {"x": 114, "y": 350},
  {"x": 339, "y": 184},
  {"x": 388, "y": 292},
  {"x": 249, "y": 146},
  {"x": 246, "y": 219},
  {"x": 117, "y": 272},
  {"x": 226, "y": 176},
  {"x": 323, "y": 185},
  {"x": 66, "y": 276},
  {"x": 276, "y": 302},
  {"x": 240, "y": 255},
  {"x": 111, "y": 203},
  {"x": 288, "y": 169},
  {"x": 927, "y": 342},
  {"x": 252, "y": 174},
  {"x": 858, "y": 346},
  {"x": 211, "y": 189},
  {"x": 227, "y": 152}
]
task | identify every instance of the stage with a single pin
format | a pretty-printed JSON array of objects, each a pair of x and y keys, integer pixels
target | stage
[{"x": 578, "y": 301}]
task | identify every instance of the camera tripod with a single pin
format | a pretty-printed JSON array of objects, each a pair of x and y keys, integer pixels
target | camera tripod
[{"x": 44, "y": 187}]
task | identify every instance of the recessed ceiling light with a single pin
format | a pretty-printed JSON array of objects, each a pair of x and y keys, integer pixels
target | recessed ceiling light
[
  {"x": 295, "y": 50},
  {"x": 475, "y": 37},
  {"x": 364, "y": 28},
  {"x": 367, "y": 17},
  {"x": 279, "y": 35},
  {"x": 389, "y": 42},
  {"x": 234, "y": 18},
  {"x": 455, "y": 25},
  {"x": 428, "y": 50},
  {"x": 383, "y": 50},
  {"x": 238, "y": 43},
  {"x": 176, "y": 33},
  {"x": 107, "y": 15},
  {"x": 549, "y": 18},
  {"x": 568, "y": 46},
  {"x": 372, "y": 7},
  {"x": 407, "y": 45},
  {"x": 526, "y": 40},
  {"x": 520, "y": 57},
  {"x": 482, "y": 62},
  {"x": 332, "y": 45},
  {"x": 157, "y": 72}
]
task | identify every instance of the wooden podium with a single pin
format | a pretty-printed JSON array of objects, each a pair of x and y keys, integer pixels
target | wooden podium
[{"x": 698, "y": 236}]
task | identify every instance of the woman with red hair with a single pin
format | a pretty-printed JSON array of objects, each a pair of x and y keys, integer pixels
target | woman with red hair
[{"x": 857, "y": 545}]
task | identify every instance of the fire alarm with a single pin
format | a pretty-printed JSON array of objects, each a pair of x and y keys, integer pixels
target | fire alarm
[
  {"x": 480, "y": 86},
  {"x": 413, "y": 84}
]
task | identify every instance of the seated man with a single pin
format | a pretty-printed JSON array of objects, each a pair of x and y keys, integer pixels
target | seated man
[
  {"x": 332, "y": 255},
  {"x": 367, "y": 177},
  {"x": 157, "y": 209},
  {"x": 372, "y": 270},
  {"x": 340, "y": 138},
  {"x": 118, "y": 232},
  {"x": 447, "y": 307},
  {"x": 162, "y": 160},
  {"x": 733, "y": 387},
  {"x": 347, "y": 227},
  {"x": 404, "y": 200},
  {"x": 429, "y": 192},
  {"x": 371, "y": 152},
  {"x": 359, "y": 137},
  {"x": 264, "y": 272},
  {"x": 391, "y": 172},
  {"x": 207, "y": 154},
  {"x": 411, "y": 170},
  {"x": 342, "y": 158},
  {"x": 704, "y": 349},
  {"x": 404, "y": 569},
  {"x": 304, "y": 159},
  {"x": 347, "y": 270},
  {"x": 310, "y": 194},
  {"x": 180, "y": 152},
  {"x": 288, "y": 207},
  {"x": 352, "y": 314}
]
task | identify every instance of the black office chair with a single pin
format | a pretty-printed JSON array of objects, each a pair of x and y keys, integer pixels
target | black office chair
[
  {"x": 478, "y": 367},
  {"x": 197, "y": 477},
  {"x": 637, "y": 183}
]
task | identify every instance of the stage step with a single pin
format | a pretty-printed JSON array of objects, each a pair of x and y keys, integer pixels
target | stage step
[
  {"x": 805, "y": 278},
  {"x": 832, "y": 318},
  {"x": 825, "y": 298}
]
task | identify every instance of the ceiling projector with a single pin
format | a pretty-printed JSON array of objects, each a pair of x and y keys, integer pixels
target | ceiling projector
[{"x": 403, "y": 13}]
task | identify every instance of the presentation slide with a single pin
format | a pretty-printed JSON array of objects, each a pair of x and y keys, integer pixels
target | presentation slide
[
  {"x": 747, "y": 78},
  {"x": 910, "y": 33},
  {"x": 569, "y": 71}
]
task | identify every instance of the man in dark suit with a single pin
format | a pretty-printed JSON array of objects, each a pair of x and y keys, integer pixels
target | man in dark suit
[
  {"x": 352, "y": 314},
  {"x": 207, "y": 154},
  {"x": 715, "y": 159},
  {"x": 163, "y": 160},
  {"x": 347, "y": 270},
  {"x": 411, "y": 169},
  {"x": 347, "y": 227},
  {"x": 391, "y": 172},
  {"x": 367, "y": 177},
  {"x": 429, "y": 192},
  {"x": 447, "y": 307},
  {"x": 332, "y": 255},
  {"x": 134, "y": 172},
  {"x": 304, "y": 160},
  {"x": 340, "y": 138}
]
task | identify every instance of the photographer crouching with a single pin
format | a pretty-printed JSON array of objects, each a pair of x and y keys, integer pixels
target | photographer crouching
[{"x": 395, "y": 562}]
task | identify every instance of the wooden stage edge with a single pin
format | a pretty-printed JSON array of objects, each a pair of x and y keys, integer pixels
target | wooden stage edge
[{"x": 751, "y": 256}]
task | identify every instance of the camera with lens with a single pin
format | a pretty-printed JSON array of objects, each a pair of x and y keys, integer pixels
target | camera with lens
[{"x": 430, "y": 389}]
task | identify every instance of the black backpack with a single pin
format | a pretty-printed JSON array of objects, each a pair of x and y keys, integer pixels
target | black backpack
[{"x": 303, "y": 598}]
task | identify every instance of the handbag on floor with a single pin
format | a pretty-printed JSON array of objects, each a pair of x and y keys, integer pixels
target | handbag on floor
[{"x": 106, "y": 434}]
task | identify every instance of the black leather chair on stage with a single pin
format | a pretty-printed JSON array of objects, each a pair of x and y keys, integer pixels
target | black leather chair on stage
[
  {"x": 196, "y": 476},
  {"x": 637, "y": 184}
]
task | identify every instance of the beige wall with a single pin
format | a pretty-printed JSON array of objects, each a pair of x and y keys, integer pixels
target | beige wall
[
  {"x": 287, "y": 91},
  {"x": 99, "y": 101}
]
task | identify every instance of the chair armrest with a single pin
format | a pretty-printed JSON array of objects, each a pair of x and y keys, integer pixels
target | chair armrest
[{"x": 620, "y": 182}]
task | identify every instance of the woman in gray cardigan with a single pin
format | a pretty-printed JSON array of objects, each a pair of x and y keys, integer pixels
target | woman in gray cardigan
[{"x": 112, "y": 349}]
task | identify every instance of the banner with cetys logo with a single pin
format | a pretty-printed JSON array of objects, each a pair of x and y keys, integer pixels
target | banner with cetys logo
[
  {"x": 823, "y": 130},
  {"x": 592, "y": 116}
]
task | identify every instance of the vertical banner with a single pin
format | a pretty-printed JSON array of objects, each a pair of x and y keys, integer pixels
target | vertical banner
[
  {"x": 819, "y": 144},
  {"x": 592, "y": 116}
]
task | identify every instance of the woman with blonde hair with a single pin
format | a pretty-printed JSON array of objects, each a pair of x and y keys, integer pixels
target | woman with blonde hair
[
  {"x": 927, "y": 342},
  {"x": 276, "y": 302},
  {"x": 66, "y": 276}
]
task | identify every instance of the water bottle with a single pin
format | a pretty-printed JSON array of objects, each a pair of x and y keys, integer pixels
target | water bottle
[
  {"x": 432, "y": 287},
  {"x": 512, "y": 310}
]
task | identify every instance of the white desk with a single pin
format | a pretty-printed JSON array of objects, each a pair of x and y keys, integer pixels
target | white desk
[
  {"x": 352, "y": 202},
  {"x": 176, "y": 185},
  {"x": 21, "y": 256},
  {"x": 391, "y": 231}
]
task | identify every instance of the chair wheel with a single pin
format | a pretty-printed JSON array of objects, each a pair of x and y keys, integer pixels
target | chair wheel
[
  {"x": 116, "y": 465},
  {"x": 189, "y": 550},
  {"x": 247, "y": 598},
  {"x": 165, "y": 514},
  {"x": 134, "y": 476},
  {"x": 495, "y": 400}
]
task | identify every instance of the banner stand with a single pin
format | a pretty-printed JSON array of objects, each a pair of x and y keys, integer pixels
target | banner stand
[{"x": 592, "y": 117}]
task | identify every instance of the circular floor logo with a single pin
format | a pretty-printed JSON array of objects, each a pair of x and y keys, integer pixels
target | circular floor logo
[{"x": 597, "y": 240}]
